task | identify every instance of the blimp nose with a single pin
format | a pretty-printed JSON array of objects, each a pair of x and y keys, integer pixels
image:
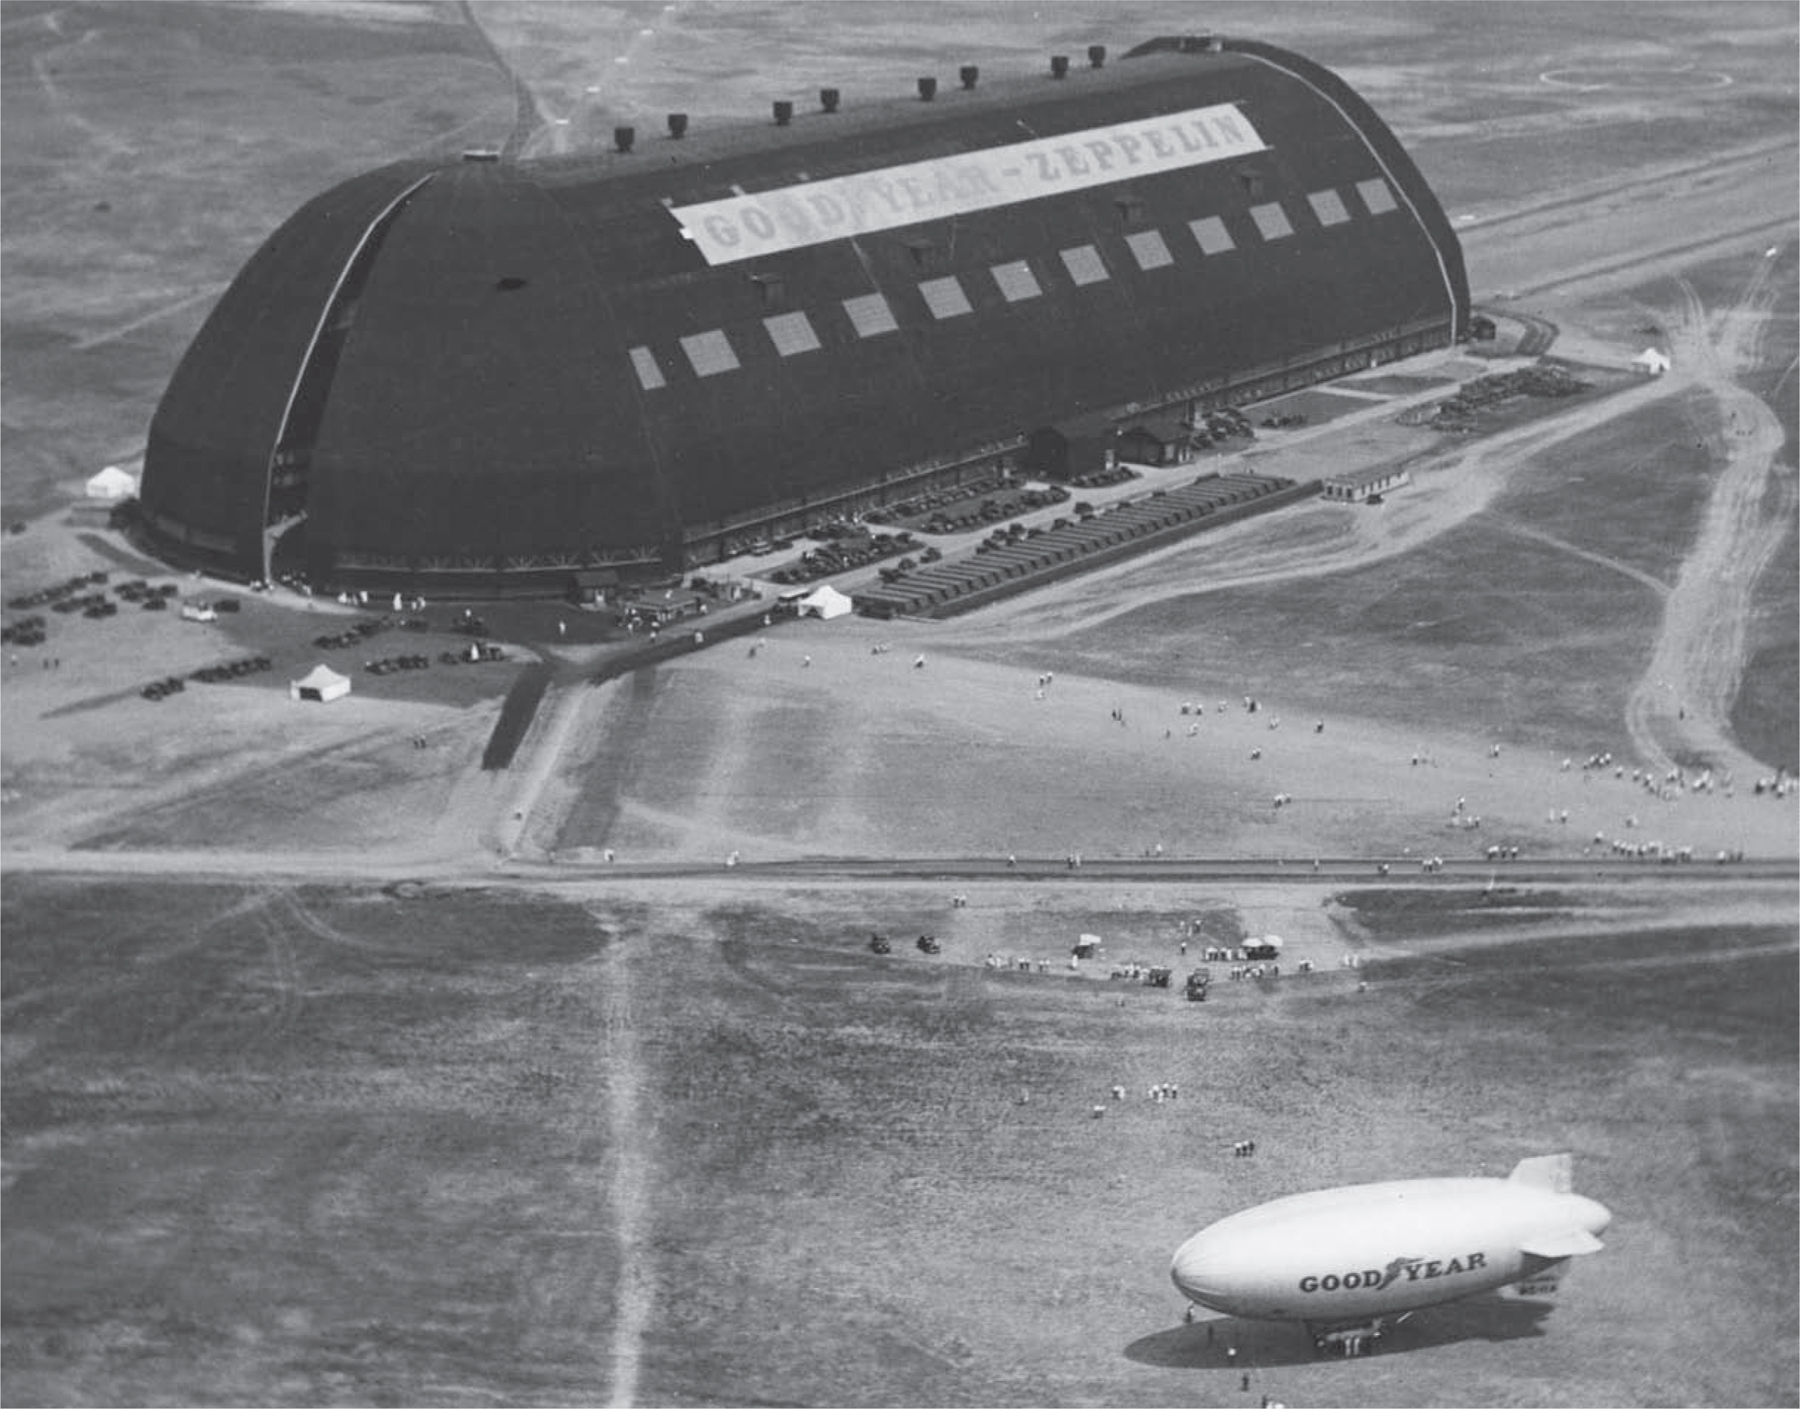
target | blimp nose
[{"x": 1197, "y": 1271}]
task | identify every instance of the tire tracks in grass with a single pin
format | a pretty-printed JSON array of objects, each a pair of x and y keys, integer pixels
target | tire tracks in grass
[
  {"x": 288, "y": 991},
  {"x": 631, "y": 1139},
  {"x": 1520, "y": 530},
  {"x": 583, "y": 1298}
]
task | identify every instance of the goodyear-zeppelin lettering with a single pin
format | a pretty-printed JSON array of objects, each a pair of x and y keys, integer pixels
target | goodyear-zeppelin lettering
[
  {"x": 1416, "y": 1269},
  {"x": 748, "y": 226}
]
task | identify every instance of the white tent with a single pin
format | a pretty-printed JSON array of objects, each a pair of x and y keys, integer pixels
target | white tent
[
  {"x": 1651, "y": 362},
  {"x": 323, "y": 683},
  {"x": 826, "y": 603},
  {"x": 112, "y": 483}
]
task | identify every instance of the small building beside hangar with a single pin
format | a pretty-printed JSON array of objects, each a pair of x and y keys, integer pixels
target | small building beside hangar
[
  {"x": 1357, "y": 486},
  {"x": 1081, "y": 445},
  {"x": 1159, "y": 440}
]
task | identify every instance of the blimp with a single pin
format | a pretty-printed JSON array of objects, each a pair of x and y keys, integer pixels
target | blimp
[{"x": 1351, "y": 1263}]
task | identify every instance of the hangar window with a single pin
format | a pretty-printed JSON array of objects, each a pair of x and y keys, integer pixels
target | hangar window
[
  {"x": 1376, "y": 195},
  {"x": 1214, "y": 238},
  {"x": 710, "y": 353},
  {"x": 1083, "y": 264},
  {"x": 1328, "y": 205},
  {"x": 650, "y": 376},
  {"x": 1016, "y": 281},
  {"x": 791, "y": 333},
  {"x": 870, "y": 314},
  {"x": 1148, "y": 249},
  {"x": 944, "y": 297},
  {"x": 1272, "y": 220}
]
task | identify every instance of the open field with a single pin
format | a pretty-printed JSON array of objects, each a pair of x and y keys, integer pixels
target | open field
[
  {"x": 274, "y": 1145},
  {"x": 1559, "y": 581},
  {"x": 340, "y": 1070}
]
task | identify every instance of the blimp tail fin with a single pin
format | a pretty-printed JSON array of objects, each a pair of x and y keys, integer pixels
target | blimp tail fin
[
  {"x": 1558, "y": 1247},
  {"x": 1541, "y": 1283},
  {"x": 1553, "y": 1172}
]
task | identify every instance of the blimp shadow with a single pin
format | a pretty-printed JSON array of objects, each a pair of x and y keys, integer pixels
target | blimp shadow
[{"x": 1232, "y": 1343}]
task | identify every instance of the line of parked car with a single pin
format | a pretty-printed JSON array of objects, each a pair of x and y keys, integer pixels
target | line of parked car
[{"x": 842, "y": 554}]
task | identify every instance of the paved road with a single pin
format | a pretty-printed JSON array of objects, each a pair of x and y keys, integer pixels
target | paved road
[{"x": 1282, "y": 870}]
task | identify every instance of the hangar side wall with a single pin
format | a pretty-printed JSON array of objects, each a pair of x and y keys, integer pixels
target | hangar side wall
[
  {"x": 675, "y": 382},
  {"x": 540, "y": 375},
  {"x": 1160, "y": 316}
]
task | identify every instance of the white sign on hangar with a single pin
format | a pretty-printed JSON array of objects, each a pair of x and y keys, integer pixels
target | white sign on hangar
[{"x": 816, "y": 212}]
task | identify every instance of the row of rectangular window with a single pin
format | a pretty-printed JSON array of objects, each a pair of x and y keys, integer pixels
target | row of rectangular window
[{"x": 711, "y": 353}]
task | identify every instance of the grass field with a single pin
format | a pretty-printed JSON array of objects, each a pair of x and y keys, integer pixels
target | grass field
[
  {"x": 685, "y": 1140},
  {"x": 328, "y": 1146},
  {"x": 1532, "y": 620}
]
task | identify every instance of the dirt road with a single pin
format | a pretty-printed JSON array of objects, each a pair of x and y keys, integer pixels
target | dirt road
[{"x": 1679, "y": 713}]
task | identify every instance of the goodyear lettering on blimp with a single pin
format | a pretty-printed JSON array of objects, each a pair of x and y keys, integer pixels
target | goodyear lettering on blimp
[
  {"x": 1417, "y": 1269},
  {"x": 815, "y": 212}
]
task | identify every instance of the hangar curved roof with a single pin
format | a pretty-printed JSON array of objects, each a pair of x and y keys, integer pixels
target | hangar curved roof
[{"x": 489, "y": 370}]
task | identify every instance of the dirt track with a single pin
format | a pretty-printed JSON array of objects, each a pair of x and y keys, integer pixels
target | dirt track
[{"x": 1678, "y": 712}]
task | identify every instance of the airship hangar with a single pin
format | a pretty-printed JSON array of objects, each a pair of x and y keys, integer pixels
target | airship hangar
[
  {"x": 345, "y": 1067},
  {"x": 485, "y": 377}
]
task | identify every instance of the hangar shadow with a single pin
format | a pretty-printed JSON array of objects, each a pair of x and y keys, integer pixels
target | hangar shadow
[{"x": 1489, "y": 1317}]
